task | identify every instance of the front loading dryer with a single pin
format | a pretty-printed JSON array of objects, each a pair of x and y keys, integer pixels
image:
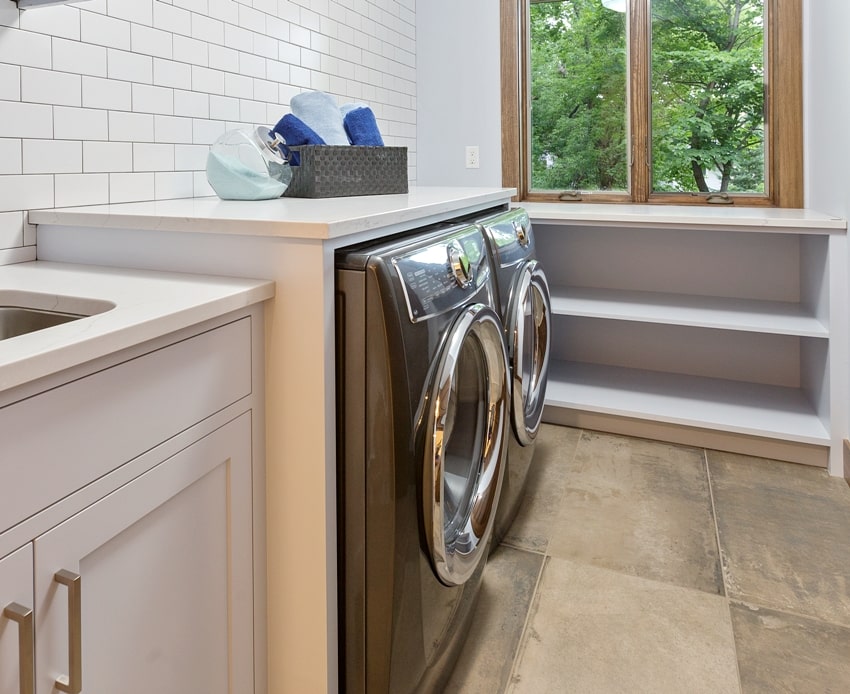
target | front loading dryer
[
  {"x": 422, "y": 420},
  {"x": 525, "y": 309}
]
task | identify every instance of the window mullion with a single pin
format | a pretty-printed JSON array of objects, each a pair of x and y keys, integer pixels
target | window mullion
[{"x": 640, "y": 182}]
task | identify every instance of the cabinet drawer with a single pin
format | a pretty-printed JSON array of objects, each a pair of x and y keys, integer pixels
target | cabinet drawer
[{"x": 58, "y": 441}]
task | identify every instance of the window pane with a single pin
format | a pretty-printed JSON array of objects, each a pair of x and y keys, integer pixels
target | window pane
[
  {"x": 578, "y": 95},
  {"x": 708, "y": 96}
]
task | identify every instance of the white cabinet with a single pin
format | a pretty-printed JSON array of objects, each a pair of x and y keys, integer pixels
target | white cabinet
[
  {"x": 16, "y": 623},
  {"x": 139, "y": 527},
  {"x": 718, "y": 336}
]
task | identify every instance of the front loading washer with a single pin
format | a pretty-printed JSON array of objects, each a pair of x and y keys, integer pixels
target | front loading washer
[
  {"x": 526, "y": 313},
  {"x": 422, "y": 427}
]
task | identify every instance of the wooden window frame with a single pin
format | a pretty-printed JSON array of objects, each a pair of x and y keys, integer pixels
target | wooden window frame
[{"x": 783, "y": 107}]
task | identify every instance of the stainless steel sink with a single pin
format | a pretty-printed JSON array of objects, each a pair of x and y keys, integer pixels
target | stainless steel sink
[{"x": 15, "y": 320}]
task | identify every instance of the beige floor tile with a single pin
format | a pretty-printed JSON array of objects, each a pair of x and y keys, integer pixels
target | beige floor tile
[
  {"x": 640, "y": 507},
  {"x": 778, "y": 653},
  {"x": 596, "y": 631},
  {"x": 544, "y": 487},
  {"x": 784, "y": 534},
  {"x": 484, "y": 666}
]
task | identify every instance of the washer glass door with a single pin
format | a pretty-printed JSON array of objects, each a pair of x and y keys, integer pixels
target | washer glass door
[
  {"x": 466, "y": 422},
  {"x": 529, "y": 320}
]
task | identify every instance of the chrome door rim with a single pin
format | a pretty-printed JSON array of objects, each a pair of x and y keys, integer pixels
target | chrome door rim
[
  {"x": 455, "y": 563},
  {"x": 527, "y": 402}
]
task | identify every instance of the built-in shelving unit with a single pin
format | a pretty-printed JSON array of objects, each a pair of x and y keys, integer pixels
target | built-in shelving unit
[{"x": 721, "y": 321}]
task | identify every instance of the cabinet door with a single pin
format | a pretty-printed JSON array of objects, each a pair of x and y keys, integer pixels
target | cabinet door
[
  {"x": 163, "y": 598},
  {"x": 16, "y": 644}
]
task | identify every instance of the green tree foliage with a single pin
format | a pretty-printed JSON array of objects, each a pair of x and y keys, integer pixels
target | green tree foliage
[{"x": 707, "y": 96}]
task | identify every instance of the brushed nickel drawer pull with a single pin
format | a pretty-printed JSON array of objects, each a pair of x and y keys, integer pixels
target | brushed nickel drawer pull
[
  {"x": 73, "y": 683},
  {"x": 23, "y": 617}
]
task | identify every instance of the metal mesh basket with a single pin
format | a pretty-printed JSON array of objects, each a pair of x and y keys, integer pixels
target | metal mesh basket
[{"x": 328, "y": 171}]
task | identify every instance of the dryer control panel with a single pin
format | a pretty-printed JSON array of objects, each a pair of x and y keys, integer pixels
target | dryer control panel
[{"x": 444, "y": 275}]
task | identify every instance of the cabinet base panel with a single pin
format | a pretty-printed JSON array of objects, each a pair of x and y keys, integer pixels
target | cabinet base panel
[{"x": 788, "y": 451}]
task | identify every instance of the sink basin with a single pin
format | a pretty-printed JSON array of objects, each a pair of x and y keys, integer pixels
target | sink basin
[
  {"x": 22, "y": 313},
  {"x": 15, "y": 320}
]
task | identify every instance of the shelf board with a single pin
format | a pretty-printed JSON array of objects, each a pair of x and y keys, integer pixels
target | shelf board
[
  {"x": 744, "y": 408},
  {"x": 751, "y": 315}
]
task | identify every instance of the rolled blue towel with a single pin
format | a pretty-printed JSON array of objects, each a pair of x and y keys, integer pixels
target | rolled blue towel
[
  {"x": 362, "y": 128},
  {"x": 295, "y": 132},
  {"x": 345, "y": 108},
  {"x": 320, "y": 112}
]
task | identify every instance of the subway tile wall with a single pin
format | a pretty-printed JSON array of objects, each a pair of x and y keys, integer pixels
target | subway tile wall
[{"x": 119, "y": 100}]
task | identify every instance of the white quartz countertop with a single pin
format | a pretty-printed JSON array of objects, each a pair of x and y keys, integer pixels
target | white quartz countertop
[
  {"x": 721, "y": 217},
  {"x": 147, "y": 305},
  {"x": 324, "y": 218}
]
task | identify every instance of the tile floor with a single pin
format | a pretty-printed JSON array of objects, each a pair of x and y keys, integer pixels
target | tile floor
[{"x": 639, "y": 566}]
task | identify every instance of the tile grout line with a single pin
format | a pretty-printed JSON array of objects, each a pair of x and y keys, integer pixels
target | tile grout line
[
  {"x": 534, "y": 594},
  {"x": 722, "y": 565}
]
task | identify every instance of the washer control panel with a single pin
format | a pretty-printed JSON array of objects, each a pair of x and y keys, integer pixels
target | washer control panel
[
  {"x": 510, "y": 236},
  {"x": 443, "y": 275}
]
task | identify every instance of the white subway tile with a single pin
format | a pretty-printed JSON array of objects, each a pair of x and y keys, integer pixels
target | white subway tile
[
  {"x": 277, "y": 29},
  {"x": 131, "y": 187},
  {"x": 82, "y": 58},
  {"x": 169, "y": 73},
  {"x": 124, "y": 65},
  {"x": 25, "y": 192},
  {"x": 205, "y": 132},
  {"x": 11, "y": 229},
  {"x": 207, "y": 29},
  {"x": 71, "y": 123},
  {"x": 311, "y": 60},
  {"x": 251, "y": 65},
  {"x": 136, "y": 11},
  {"x": 172, "y": 129},
  {"x": 265, "y": 46},
  {"x": 55, "y": 20},
  {"x": 225, "y": 10},
  {"x": 200, "y": 6},
  {"x": 10, "y": 15},
  {"x": 98, "y": 6},
  {"x": 320, "y": 82},
  {"x": 149, "y": 99},
  {"x": 238, "y": 86},
  {"x": 190, "y": 157},
  {"x": 102, "y": 157},
  {"x": 206, "y": 80},
  {"x": 173, "y": 19},
  {"x": 265, "y": 90},
  {"x": 10, "y": 156},
  {"x": 238, "y": 38},
  {"x": 277, "y": 71},
  {"x": 286, "y": 91},
  {"x": 289, "y": 53},
  {"x": 81, "y": 189},
  {"x": 192, "y": 104},
  {"x": 253, "y": 112},
  {"x": 26, "y": 120},
  {"x": 25, "y": 48},
  {"x": 202, "y": 187},
  {"x": 319, "y": 43},
  {"x": 52, "y": 156},
  {"x": 150, "y": 41},
  {"x": 224, "y": 108},
  {"x": 267, "y": 6},
  {"x": 299, "y": 35},
  {"x": 105, "y": 31},
  {"x": 153, "y": 157},
  {"x": 252, "y": 20},
  {"x": 225, "y": 59},
  {"x": 308, "y": 19},
  {"x": 299, "y": 77},
  {"x": 176, "y": 184},
  {"x": 108, "y": 94},
  {"x": 130, "y": 127},
  {"x": 10, "y": 82},
  {"x": 188, "y": 50},
  {"x": 288, "y": 10}
]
